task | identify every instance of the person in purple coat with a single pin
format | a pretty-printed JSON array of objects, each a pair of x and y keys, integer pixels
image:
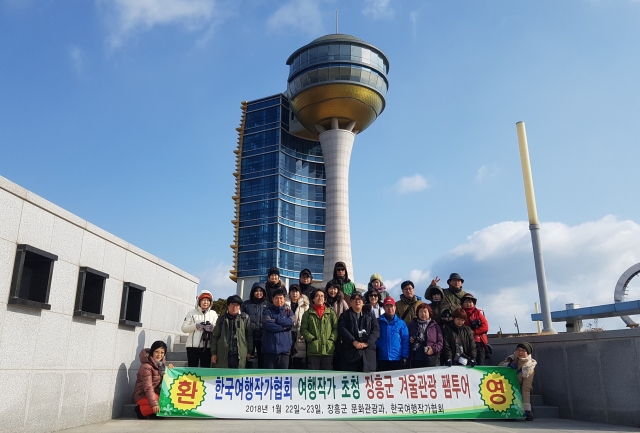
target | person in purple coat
[{"x": 425, "y": 338}]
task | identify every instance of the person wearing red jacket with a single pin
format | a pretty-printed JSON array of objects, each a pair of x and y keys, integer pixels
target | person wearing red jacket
[{"x": 478, "y": 323}]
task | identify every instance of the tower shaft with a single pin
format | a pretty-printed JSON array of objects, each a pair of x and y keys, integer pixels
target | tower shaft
[{"x": 336, "y": 149}]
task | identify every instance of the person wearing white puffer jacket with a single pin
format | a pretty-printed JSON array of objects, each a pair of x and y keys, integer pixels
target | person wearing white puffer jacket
[{"x": 199, "y": 324}]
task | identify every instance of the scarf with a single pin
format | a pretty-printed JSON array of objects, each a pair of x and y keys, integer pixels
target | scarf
[
  {"x": 469, "y": 311},
  {"x": 528, "y": 366},
  {"x": 422, "y": 327},
  {"x": 319, "y": 309},
  {"x": 161, "y": 367}
]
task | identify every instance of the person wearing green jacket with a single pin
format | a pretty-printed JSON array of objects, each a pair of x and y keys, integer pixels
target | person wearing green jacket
[
  {"x": 232, "y": 337},
  {"x": 319, "y": 328}
]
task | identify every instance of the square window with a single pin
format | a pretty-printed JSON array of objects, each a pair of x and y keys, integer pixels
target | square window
[
  {"x": 31, "y": 281},
  {"x": 131, "y": 307},
  {"x": 90, "y": 293}
]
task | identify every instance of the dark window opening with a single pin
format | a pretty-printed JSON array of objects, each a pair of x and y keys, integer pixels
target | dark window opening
[
  {"x": 131, "y": 308},
  {"x": 31, "y": 279},
  {"x": 90, "y": 293}
]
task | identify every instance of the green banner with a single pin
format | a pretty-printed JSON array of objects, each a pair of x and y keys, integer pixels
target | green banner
[{"x": 423, "y": 393}]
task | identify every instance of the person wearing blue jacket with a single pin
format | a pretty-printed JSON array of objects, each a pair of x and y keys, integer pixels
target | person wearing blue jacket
[
  {"x": 393, "y": 344},
  {"x": 277, "y": 320}
]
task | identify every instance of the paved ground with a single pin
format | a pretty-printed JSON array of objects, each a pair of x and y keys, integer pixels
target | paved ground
[{"x": 249, "y": 426}]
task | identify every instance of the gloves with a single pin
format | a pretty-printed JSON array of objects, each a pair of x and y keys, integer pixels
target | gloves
[
  {"x": 199, "y": 326},
  {"x": 513, "y": 365},
  {"x": 448, "y": 363},
  {"x": 472, "y": 363},
  {"x": 208, "y": 328}
]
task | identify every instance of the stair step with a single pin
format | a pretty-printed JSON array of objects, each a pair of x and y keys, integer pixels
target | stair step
[
  {"x": 176, "y": 356},
  {"x": 546, "y": 412},
  {"x": 179, "y": 347},
  {"x": 183, "y": 338},
  {"x": 536, "y": 400},
  {"x": 128, "y": 411}
]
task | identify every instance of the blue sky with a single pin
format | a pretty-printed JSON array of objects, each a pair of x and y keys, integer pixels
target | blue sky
[{"x": 124, "y": 113}]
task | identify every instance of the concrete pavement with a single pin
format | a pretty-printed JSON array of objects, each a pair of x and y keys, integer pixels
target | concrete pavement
[{"x": 314, "y": 426}]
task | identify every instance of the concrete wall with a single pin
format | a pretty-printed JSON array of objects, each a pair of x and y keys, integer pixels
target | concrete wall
[
  {"x": 589, "y": 376},
  {"x": 59, "y": 371}
]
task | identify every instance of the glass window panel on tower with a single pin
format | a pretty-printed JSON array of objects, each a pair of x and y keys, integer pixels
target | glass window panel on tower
[
  {"x": 356, "y": 74},
  {"x": 313, "y": 76},
  {"x": 304, "y": 80},
  {"x": 345, "y": 73},
  {"x": 345, "y": 51},
  {"x": 334, "y": 51},
  {"x": 356, "y": 52},
  {"x": 303, "y": 59},
  {"x": 313, "y": 55},
  {"x": 366, "y": 56},
  {"x": 334, "y": 73},
  {"x": 323, "y": 74},
  {"x": 366, "y": 76},
  {"x": 323, "y": 53}
]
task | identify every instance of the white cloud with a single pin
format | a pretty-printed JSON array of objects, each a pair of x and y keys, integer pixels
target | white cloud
[
  {"x": 486, "y": 172},
  {"x": 378, "y": 9},
  {"x": 582, "y": 262},
  {"x": 303, "y": 15},
  {"x": 410, "y": 184},
  {"x": 131, "y": 16},
  {"x": 216, "y": 280},
  {"x": 413, "y": 16},
  {"x": 77, "y": 59}
]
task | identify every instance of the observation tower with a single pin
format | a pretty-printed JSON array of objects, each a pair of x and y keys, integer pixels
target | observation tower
[{"x": 336, "y": 88}]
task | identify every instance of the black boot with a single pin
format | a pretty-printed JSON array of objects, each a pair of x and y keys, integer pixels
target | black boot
[
  {"x": 138, "y": 413},
  {"x": 528, "y": 415}
]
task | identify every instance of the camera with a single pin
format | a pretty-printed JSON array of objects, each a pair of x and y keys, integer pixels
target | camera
[
  {"x": 475, "y": 324},
  {"x": 206, "y": 335}
]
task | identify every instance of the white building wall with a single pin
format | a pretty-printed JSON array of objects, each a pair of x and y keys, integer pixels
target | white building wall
[{"x": 59, "y": 371}]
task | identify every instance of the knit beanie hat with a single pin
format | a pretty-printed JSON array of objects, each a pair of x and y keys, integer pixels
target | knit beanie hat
[
  {"x": 205, "y": 295},
  {"x": 273, "y": 270},
  {"x": 526, "y": 346},
  {"x": 375, "y": 277}
]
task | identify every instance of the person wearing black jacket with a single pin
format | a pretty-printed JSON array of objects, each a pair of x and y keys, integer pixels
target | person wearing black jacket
[
  {"x": 459, "y": 345},
  {"x": 359, "y": 332},
  {"x": 306, "y": 288},
  {"x": 254, "y": 307},
  {"x": 273, "y": 283}
]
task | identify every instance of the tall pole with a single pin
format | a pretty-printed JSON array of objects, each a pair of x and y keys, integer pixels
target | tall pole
[
  {"x": 337, "y": 144},
  {"x": 534, "y": 228}
]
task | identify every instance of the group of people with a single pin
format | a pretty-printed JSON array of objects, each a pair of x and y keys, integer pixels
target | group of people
[{"x": 337, "y": 327}]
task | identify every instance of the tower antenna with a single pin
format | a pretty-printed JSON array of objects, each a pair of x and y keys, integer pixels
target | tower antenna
[{"x": 336, "y": 21}]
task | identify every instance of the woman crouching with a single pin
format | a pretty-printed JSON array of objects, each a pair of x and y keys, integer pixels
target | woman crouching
[
  {"x": 147, "y": 390},
  {"x": 522, "y": 361}
]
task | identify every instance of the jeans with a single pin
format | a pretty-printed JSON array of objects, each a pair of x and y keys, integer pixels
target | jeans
[
  {"x": 278, "y": 361},
  {"x": 320, "y": 362}
]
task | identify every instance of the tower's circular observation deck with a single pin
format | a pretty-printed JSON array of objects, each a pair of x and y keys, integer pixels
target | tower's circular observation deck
[{"x": 337, "y": 76}]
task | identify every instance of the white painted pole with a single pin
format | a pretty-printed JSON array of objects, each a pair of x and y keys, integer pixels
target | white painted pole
[{"x": 534, "y": 228}]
